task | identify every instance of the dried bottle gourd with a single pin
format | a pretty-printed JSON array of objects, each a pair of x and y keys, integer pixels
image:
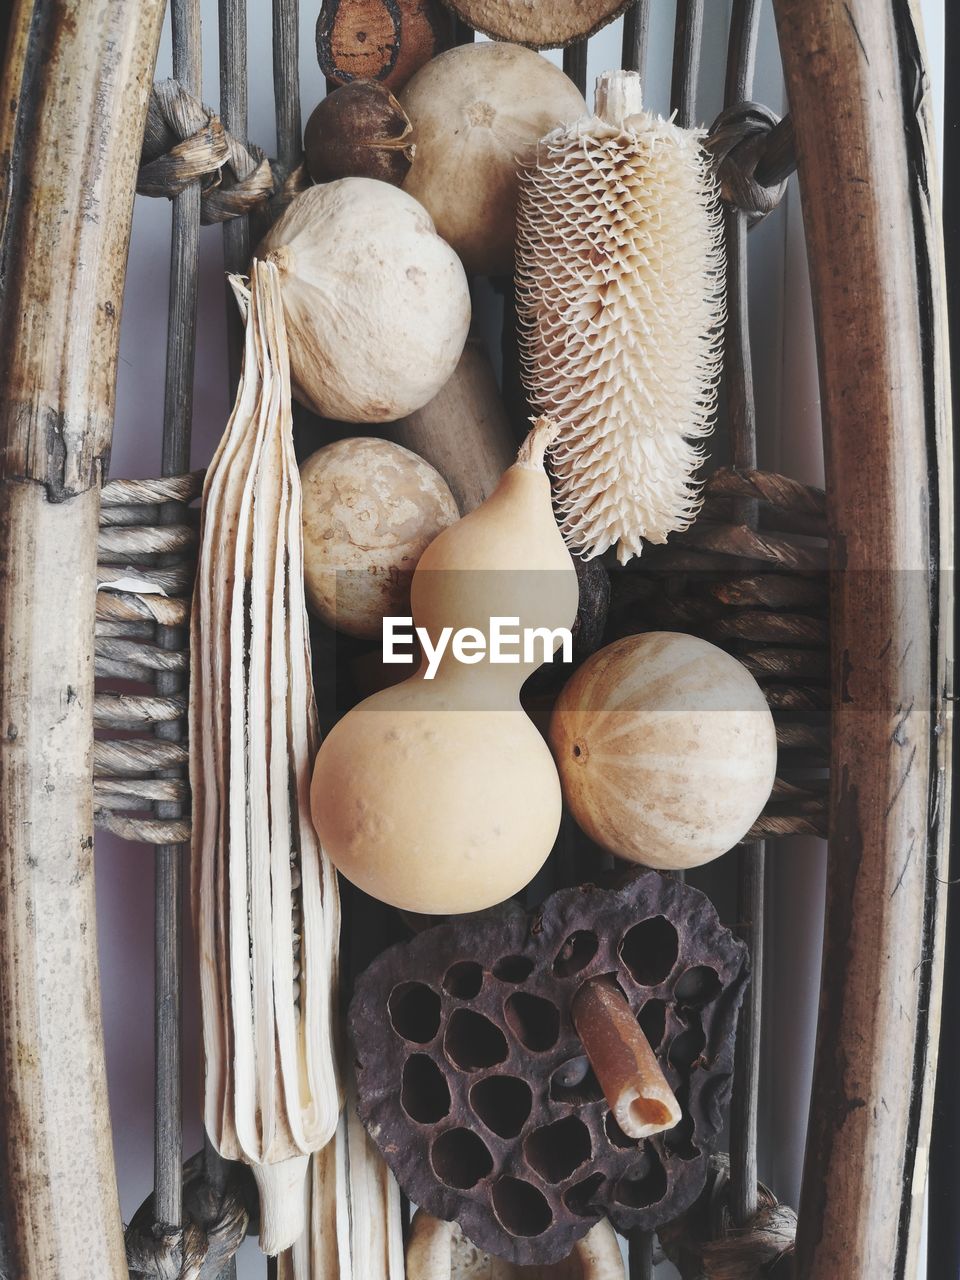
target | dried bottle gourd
[
  {"x": 620, "y": 286},
  {"x": 265, "y": 897}
]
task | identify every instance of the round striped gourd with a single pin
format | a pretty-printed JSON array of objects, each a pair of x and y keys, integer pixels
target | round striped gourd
[{"x": 666, "y": 749}]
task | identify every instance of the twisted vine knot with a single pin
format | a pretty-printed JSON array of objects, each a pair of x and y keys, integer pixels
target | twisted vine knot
[
  {"x": 214, "y": 1226},
  {"x": 736, "y": 140},
  {"x": 185, "y": 142},
  {"x": 705, "y": 1243}
]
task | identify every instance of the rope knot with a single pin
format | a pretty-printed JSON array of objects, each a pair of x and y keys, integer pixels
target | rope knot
[
  {"x": 736, "y": 140},
  {"x": 705, "y": 1243},
  {"x": 185, "y": 142},
  {"x": 215, "y": 1224}
]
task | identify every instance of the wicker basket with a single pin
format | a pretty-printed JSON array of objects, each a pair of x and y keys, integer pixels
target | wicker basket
[{"x": 857, "y": 671}]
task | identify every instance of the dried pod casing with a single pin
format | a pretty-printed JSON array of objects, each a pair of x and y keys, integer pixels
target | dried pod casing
[
  {"x": 359, "y": 131},
  {"x": 471, "y": 1076},
  {"x": 620, "y": 288},
  {"x": 539, "y": 26},
  {"x": 385, "y": 40},
  {"x": 265, "y": 900}
]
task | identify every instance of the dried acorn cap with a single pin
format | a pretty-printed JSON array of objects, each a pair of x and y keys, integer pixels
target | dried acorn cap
[
  {"x": 475, "y": 1087},
  {"x": 359, "y": 131}
]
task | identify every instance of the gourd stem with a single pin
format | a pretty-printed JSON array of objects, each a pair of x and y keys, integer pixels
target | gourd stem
[
  {"x": 532, "y": 452},
  {"x": 619, "y": 95}
]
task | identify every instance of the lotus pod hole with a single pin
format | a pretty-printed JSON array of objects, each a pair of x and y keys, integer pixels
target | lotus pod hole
[
  {"x": 698, "y": 986},
  {"x": 649, "y": 950},
  {"x": 460, "y": 1158},
  {"x": 463, "y": 980},
  {"x": 557, "y": 1150},
  {"x": 653, "y": 1020},
  {"x": 514, "y": 969},
  {"x": 578, "y": 950},
  {"x": 521, "y": 1208},
  {"x": 506, "y": 1066},
  {"x": 473, "y": 1042},
  {"x": 424, "y": 1095},
  {"x": 503, "y": 1104},
  {"x": 415, "y": 1012},
  {"x": 534, "y": 1021}
]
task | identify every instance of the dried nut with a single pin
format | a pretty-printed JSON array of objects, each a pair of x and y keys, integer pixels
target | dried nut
[{"x": 359, "y": 131}]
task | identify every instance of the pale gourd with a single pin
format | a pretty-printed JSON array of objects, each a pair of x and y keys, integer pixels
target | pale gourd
[
  {"x": 377, "y": 306},
  {"x": 666, "y": 749},
  {"x": 440, "y": 796},
  {"x": 440, "y": 1251},
  {"x": 370, "y": 508},
  {"x": 478, "y": 112}
]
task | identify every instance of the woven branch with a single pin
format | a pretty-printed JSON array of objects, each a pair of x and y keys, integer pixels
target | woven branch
[
  {"x": 185, "y": 142},
  {"x": 738, "y": 141}
]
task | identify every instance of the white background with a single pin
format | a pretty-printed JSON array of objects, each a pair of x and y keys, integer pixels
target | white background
[{"x": 788, "y": 413}]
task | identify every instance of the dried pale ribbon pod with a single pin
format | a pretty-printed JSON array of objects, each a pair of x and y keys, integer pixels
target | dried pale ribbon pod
[
  {"x": 620, "y": 287},
  {"x": 439, "y": 1250},
  {"x": 353, "y": 1225},
  {"x": 265, "y": 897}
]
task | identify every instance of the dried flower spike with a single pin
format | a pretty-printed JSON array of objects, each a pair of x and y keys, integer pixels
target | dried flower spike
[
  {"x": 620, "y": 285},
  {"x": 265, "y": 901}
]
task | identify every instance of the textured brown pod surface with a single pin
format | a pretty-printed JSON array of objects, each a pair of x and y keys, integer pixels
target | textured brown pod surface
[
  {"x": 359, "y": 131},
  {"x": 541, "y": 25},
  {"x": 473, "y": 1083},
  {"x": 386, "y": 40}
]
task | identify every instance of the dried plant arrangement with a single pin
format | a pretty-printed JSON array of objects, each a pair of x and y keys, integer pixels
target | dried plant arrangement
[
  {"x": 265, "y": 897},
  {"x": 620, "y": 285}
]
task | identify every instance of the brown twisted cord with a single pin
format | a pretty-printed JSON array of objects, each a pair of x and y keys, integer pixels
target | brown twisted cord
[
  {"x": 186, "y": 142},
  {"x": 706, "y": 1244},
  {"x": 738, "y": 140},
  {"x": 214, "y": 1226}
]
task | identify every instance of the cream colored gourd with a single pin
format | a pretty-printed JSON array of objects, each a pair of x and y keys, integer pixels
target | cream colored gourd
[
  {"x": 440, "y": 796},
  {"x": 376, "y": 304},
  {"x": 370, "y": 508},
  {"x": 478, "y": 112},
  {"x": 620, "y": 296},
  {"x": 265, "y": 900},
  {"x": 666, "y": 749},
  {"x": 440, "y": 1251}
]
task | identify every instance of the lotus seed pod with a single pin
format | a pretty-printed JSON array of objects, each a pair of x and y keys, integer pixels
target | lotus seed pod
[{"x": 620, "y": 288}]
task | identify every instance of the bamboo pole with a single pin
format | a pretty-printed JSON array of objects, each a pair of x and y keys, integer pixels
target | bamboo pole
[
  {"x": 854, "y": 79},
  {"x": 78, "y": 73}
]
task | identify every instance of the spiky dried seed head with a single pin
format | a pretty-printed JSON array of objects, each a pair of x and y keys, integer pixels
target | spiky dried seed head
[{"x": 620, "y": 296}]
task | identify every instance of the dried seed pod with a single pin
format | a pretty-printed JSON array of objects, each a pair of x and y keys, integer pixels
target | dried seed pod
[
  {"x": 620, "y": 301},
  {"x": 472, "y": 1078},
  {"x": 370, "y": 509},
  {"x": 539, "y": 26},
  {"x": 477, "y": 112},
  {"x": 385, "y": 40},
  {"x": 265, "y": 900},
  {"x": 359, "y": 131},
  {"x": 376, "y": 305}
]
